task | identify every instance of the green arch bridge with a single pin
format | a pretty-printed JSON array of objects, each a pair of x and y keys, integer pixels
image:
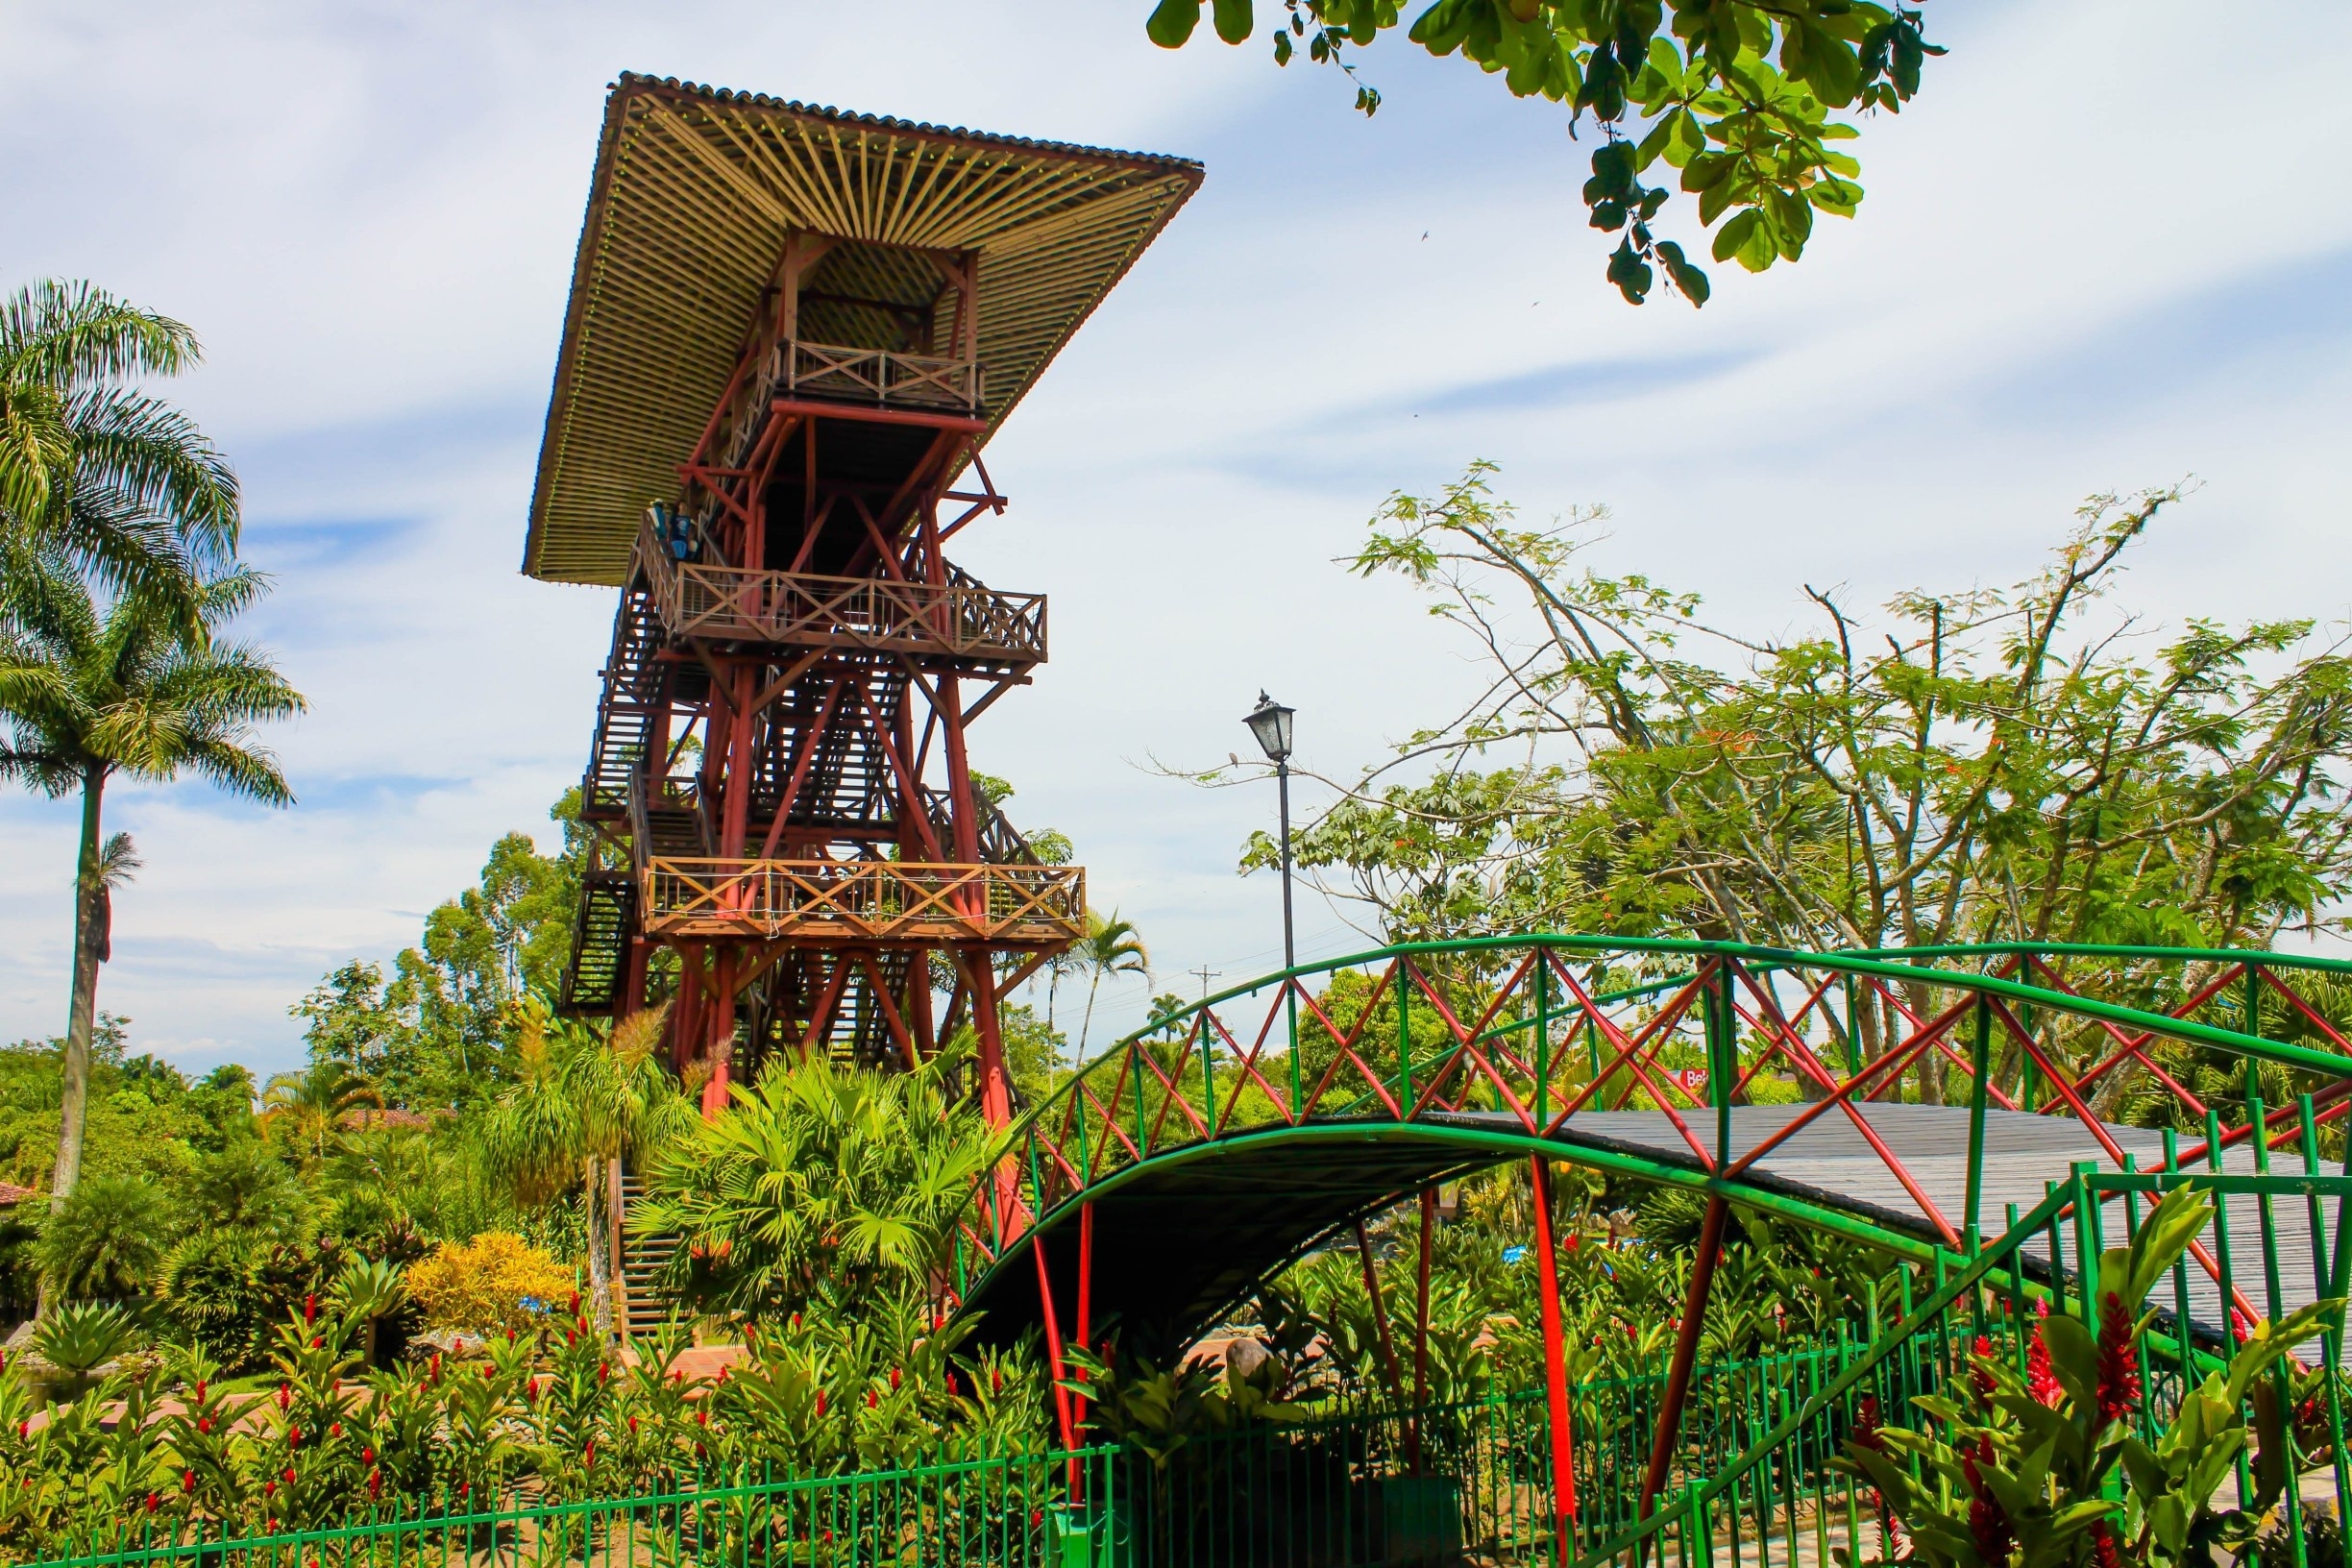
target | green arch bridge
[{"x": 1994, "y": 1114}]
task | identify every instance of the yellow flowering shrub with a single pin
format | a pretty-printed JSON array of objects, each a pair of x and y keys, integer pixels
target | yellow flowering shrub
[{"x": 483, "y": 1285}]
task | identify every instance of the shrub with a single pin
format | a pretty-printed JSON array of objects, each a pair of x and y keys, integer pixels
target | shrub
[
  {"x": 107, "y": 1240},
  {"x": 496, "y": 1281},
  {"x": 215, "y": 1286}
]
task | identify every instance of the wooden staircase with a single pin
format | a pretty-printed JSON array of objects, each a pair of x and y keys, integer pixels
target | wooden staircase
[{"x": 644, "y": 1310}]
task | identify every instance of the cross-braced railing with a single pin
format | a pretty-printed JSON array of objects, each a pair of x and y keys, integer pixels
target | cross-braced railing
[
  {"x": 961, "y": 619},
  {"x": 1542, "y": 1032},
  {"x": 799, "y": 369},
  {"x": 860, "y": 901}
]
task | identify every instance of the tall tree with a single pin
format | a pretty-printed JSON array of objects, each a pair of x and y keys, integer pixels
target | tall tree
[
  {"x": 131, "y": 688},
  {"x": 1737, "y": 95},
  {"x": 92, "y": 469},
  {"x": 1110, "y": 946},
  {"x": 1987, "y": 764}
]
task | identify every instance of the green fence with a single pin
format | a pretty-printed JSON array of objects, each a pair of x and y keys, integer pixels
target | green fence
[{"x": 1002, "y": 1512}]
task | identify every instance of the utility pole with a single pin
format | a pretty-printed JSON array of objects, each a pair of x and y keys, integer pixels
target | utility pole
[{"x": 1205, "y": 974}]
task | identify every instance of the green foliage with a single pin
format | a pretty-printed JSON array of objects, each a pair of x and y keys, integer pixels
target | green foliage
[
  {"x": 818, "y": 1184},
  {"x": 2003, "y": 767},
  {"x": 1740, "y": 97},
  {"x": 106, "y": 1239},
  {"x": 1159, "y": 1411},
  {"x": 1110, "y": 947},
  {"x": 551, "y": 1410}
]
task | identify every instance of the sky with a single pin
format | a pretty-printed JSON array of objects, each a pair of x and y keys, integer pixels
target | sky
[{"x": 2072, "y": 275}]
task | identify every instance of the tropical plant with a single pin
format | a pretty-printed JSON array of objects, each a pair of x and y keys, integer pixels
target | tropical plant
[
  {"x": 495, "y": 1281},
  {"x": 215, "y": 1287},
  {"x": 244, "y": 1187},
  {"x": 366, "y": 1292},
  {"x": 582, "y": 1101},
  {"x": 81, "y": 1336},
  {"x": 818, "y": 1183},
  {"x": 105, "y": 1239},
  {"x": 312, "y": 1104},
  {"x": 2050, "y": 1458},
  {"x": 95, "y": 470},
  {"x": 1738, "y": 96},
  {"x": 135, "y": 689},
  {"x": 1110, "y": 946}
]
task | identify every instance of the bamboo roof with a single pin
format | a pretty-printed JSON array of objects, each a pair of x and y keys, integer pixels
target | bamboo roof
[{"x": 695, "y": 189}]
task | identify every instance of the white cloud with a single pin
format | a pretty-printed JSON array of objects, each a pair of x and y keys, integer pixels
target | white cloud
[{"x": 2060, "y": 282}]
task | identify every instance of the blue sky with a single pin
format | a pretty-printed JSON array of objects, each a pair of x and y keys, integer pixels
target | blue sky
[{"x": 2064, "y": 280}]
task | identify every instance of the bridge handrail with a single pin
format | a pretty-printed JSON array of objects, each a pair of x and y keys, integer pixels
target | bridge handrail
[{"x": 1861, "y": 964}]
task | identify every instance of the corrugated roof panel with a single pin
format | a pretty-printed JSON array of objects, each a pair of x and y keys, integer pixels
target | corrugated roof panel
[{"x": 695, "y": 188}]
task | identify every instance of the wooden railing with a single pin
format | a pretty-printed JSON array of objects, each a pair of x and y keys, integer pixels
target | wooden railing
[
  {"x": 864, "y": 901},
  {"x": 963, "y": 619},
  {"x": 797, "y": 369}
]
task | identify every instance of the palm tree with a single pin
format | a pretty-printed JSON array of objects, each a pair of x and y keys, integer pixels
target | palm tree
[
  {"x": 580, "y": 1101},
  {"x": 1110, "y": 946},
  {"x": 822, "y": 1183},
  {"x": 132, "y": 689},
  {"x": 118, "y": 482},
  {"x": 315, "y": 1102}
]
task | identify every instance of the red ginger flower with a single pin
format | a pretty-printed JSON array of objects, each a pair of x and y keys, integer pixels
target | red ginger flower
[
  {"x": 821, "y": 1402},
  {"x": 187, "y": 1480},
  {"x": 893, "y": 1380},
  {"x": 153, "y": 1501},
  {"x": 1866, "y": 1435},
  {"x": 2105, "y": 1552},
  {"x": 2040, "y": 1380},
  {"x": 1988, "y": 1524},
  {"x": 2119, "y": 1359},
  {"x": 1981, "y": 1378}
]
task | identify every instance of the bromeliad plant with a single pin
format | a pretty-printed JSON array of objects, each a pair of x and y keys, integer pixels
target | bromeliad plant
[{"x": 2060, "y": 1465}]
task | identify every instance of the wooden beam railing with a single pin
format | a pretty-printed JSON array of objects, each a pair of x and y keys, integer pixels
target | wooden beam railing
[
  {"x": 801, "y": 369},
  {"x": 963, "y": 619},
  {"x": 864, "y": 900}
]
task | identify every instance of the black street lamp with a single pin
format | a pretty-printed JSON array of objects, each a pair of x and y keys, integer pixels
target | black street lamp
[{"x": 1270, "y": 723}]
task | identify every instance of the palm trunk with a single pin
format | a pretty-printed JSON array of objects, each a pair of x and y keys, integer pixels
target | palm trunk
[
  {"x": 1087, "y": 1028},
  {"x": 599, "y": 1233},
  {"x": 81, "y": 1011}
]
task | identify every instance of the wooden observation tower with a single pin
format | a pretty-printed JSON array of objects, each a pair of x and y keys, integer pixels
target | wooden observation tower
[{"x": 791, "y": 332}]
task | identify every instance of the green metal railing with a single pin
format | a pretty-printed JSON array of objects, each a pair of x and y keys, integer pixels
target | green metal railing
[
  {"x": 1000, "y": 1513},
  {"x": 1779, "y": 1503}
]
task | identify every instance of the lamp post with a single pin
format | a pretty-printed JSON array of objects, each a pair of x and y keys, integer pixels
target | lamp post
[{"x": 1270, "y": 723}]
